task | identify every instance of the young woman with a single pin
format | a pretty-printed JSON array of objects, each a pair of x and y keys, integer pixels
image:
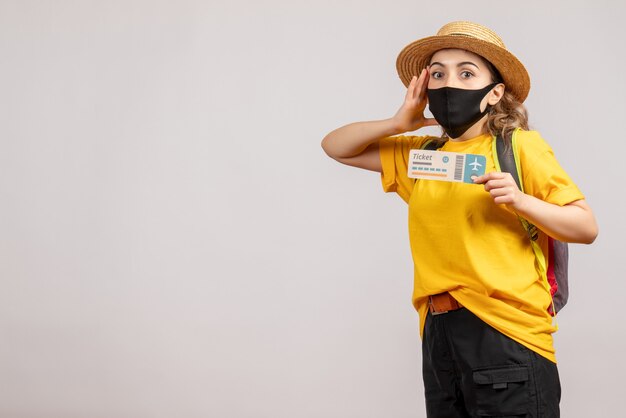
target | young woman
[{"x": 483, "y": 303}]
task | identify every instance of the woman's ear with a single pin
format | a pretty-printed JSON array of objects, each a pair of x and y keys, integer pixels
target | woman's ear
[{"x": 496, "y": 94}]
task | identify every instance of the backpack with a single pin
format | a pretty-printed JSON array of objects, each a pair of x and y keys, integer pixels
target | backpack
[{"x": 554, "y": 266}]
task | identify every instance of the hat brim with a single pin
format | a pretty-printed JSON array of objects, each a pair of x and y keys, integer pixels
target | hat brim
[{"x": 416, "y": 56}]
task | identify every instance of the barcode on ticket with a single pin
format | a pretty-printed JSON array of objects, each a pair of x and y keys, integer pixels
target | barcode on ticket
[{"x": 458, "y": 167}]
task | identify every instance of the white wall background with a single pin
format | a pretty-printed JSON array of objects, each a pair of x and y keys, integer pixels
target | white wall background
[{"x": 175, "y": 243}]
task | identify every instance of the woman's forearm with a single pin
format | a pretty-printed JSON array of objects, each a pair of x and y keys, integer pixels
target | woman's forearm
[
  {"x": 354, "y": 138},
  {"x": 573, "y": 222}
]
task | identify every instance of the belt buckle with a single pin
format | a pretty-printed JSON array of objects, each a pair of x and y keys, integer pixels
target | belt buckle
[{"x": 432, "y": 308}]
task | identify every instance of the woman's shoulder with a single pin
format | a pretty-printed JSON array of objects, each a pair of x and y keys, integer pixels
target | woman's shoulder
[{"x": 531, "y": 141}]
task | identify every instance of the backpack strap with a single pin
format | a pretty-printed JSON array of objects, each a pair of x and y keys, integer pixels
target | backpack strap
[
  {"x": 507, "y": 160},
  {"x": 433, "y": 144}
]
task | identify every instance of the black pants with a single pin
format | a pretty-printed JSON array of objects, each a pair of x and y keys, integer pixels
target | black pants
[{"x": 472, "y": 370}]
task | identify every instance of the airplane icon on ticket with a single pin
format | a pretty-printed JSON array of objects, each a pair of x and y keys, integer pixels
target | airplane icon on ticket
[{"x": 475, "y": 164}]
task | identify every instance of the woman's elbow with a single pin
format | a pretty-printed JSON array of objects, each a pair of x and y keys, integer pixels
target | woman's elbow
[
  {"x": 588, "y": 230},
  {"x": 328, "y": 147},
  {"x": 591, "y": 234},
  {"x": 588, "y": 234}
]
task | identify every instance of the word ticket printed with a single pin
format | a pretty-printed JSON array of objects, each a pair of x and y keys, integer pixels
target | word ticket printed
[{"x": 445, "y": 166}]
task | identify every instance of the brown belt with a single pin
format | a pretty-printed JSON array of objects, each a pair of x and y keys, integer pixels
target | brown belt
[{"x": 442, "y": 303}]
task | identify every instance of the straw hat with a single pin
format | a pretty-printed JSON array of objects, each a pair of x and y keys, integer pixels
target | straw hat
[{"x": 471, "y": 37}]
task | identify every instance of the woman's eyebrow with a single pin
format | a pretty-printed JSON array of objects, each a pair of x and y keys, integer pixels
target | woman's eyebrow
[{"x": 460, "y": 64}]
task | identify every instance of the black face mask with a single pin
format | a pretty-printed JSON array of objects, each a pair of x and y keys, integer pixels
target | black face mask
[{"x": 456, "y": 110}]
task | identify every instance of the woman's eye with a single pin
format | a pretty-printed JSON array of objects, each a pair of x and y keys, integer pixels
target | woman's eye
[
  {"x": 466, "y": 74},
  {"x": 436, "y": 75}
]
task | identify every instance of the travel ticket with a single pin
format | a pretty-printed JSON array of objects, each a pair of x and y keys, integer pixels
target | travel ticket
[{"x": 445, "y": 166}]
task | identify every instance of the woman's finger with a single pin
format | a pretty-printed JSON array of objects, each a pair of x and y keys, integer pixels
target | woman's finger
[
  {"x": 425, "y": 82},
  {"x": 493, "y": 175},
  {"x": 415, "y": 88},
  {"x": 501, "y": 191},
  {"x": 503, "y": 200},
  {"x": 497, "y": 184},
  {"x": 409, "y": 90},
  {"x": 418, "y": 86},
  {"x": 430, "y": 122}
]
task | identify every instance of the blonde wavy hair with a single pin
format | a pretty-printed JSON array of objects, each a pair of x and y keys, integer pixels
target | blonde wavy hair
[{"x": 506, "y": 115}]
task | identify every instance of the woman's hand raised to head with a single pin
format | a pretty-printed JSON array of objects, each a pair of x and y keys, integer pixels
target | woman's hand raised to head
[
  {"x": 357, "y": 144},
  {"x": 410, "y": 116}
]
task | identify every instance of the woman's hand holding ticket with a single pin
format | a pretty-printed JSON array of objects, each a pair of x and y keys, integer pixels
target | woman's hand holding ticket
[
  {"x": 573, "y": 222},
  {"x": 502, "y": 188}
]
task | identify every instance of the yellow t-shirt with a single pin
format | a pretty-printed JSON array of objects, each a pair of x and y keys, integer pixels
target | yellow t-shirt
[{"x": 462, "y": 242}]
